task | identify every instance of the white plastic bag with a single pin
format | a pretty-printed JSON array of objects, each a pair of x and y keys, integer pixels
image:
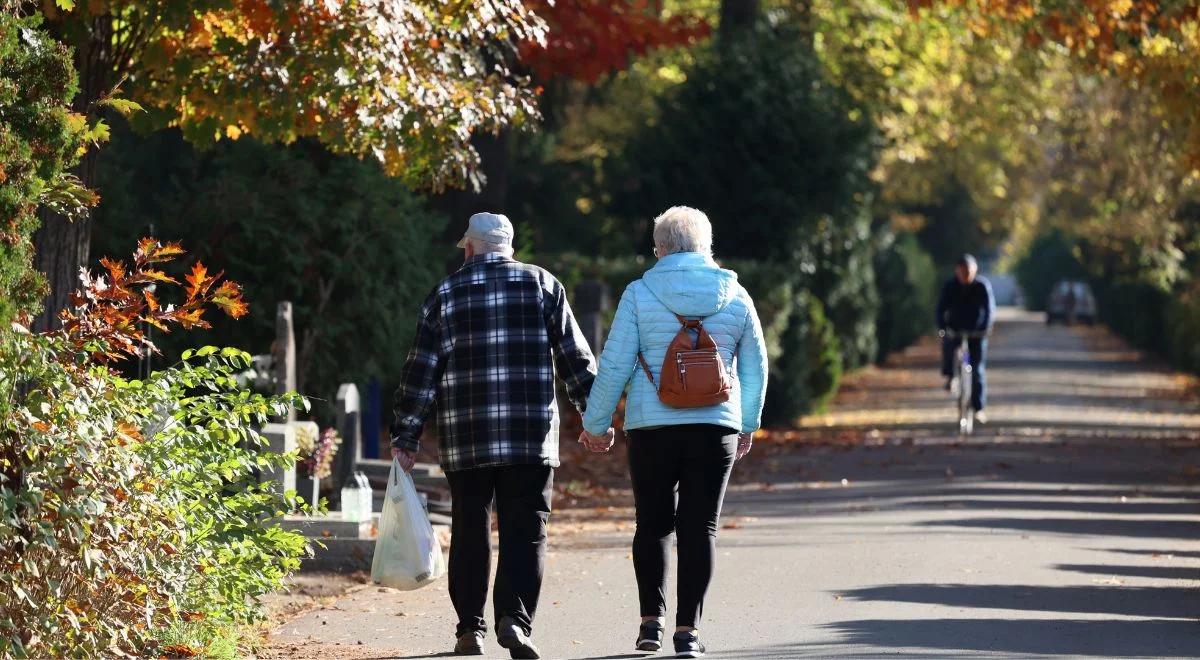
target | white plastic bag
[{"x": 407, "y": 553}]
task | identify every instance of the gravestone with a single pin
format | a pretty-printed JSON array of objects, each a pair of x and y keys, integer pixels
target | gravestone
[
  {"x": 281, "y": 438},
  {"x": 347, "y": 414},
  {"x": 592, "y": 301},
  {"x": 283, "y": 352}
]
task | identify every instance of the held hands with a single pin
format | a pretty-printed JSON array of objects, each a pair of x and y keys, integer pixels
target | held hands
[
  {"x": 745, "y": 440},
  {"x": 407, "y": 459},
  {"x": 599, "y": 444}
]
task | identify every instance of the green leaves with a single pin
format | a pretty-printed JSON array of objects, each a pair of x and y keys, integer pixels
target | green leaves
[
  {"x": 137, "y": 501},
  {"x": 124, "y": 106}
]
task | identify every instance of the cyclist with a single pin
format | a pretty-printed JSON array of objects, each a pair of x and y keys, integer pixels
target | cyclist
[{"x": 967, "y": 305}]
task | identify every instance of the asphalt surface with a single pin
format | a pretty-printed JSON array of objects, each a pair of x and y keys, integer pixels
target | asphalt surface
[{"x": 1068, "y": 528}]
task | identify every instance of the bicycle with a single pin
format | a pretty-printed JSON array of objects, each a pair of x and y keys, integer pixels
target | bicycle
[{"x": 964, "y": 373}]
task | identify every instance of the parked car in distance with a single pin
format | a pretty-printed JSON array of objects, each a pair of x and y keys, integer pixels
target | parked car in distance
[{"x": 1071, "y": 301}]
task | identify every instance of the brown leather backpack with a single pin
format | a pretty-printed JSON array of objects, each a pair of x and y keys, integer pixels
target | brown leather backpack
[{"x": 693, "y": 373}]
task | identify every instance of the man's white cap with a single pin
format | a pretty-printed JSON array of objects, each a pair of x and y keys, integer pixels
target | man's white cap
[{"x": 490, "y": 228}]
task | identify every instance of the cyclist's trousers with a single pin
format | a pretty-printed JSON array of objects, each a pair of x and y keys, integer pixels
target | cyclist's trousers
[{"x": 978, "y": 350}]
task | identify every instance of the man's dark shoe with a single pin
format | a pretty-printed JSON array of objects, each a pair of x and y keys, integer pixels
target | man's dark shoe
[
  {"x": 470, "y": 644},
  {"x": 687, "y": 645},
  {"x": 516, "y": 640},
  {"x": 650, "y": 636}
]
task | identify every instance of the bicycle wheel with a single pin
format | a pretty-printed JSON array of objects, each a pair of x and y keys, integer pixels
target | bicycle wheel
[{"x": 966, "y": 416}]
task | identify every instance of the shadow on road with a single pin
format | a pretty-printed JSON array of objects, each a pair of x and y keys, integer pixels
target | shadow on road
[
  {"x": 1141, "y": 529},
  {"x": 954, "y": 637},
  {"x": 1151, "y": 602},
  {"x": 1155, "y": 572}
]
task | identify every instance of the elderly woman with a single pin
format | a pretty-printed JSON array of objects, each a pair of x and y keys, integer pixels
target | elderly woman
[{"x": 679, "y": 457}]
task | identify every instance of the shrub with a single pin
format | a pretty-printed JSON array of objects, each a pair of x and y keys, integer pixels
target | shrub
[
  {"x": 907, "y": 280},
  {"x": 1136, "y": 311},
  {"x": 355, "y": 251},
  {"x": 39, "y": 141},
  {"x": 804, "y": 354},
  {"x": 809, "y": 369},
  {"x": 1182, "y": 326},
  {"x": 779, "y": 159},
  {"x": 130, "y": 506}
]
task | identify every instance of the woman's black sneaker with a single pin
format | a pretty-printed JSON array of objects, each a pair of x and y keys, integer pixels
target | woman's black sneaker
[
  {"x": 650, "y": 636},
  {"x": 687, "y": 645}
]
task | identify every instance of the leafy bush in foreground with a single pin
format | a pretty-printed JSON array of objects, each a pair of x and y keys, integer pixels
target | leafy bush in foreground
[{"x": 128, "y": 506}]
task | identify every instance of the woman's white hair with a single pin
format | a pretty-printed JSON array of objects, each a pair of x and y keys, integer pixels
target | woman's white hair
[{"x": 683, "y": 229}]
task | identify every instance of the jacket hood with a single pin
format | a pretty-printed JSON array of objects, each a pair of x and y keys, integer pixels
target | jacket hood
[{"x": 691, "y": 284}]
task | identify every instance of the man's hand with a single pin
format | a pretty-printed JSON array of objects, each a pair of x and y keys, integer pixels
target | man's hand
[
  {"x": 745, "y": 440},
  {"x": 407, "y": 459},
  {"x": 599, "y": 444}
]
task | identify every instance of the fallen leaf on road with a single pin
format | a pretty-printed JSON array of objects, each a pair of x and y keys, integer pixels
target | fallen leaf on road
[
  {"x": 731, "y": 525},
  {"x": 1111, "y": 580}
]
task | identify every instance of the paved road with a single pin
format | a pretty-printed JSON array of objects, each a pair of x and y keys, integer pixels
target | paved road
[{"x": 1070, "y": 528}]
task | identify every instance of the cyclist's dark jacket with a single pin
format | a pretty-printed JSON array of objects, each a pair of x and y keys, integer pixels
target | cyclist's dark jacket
[{"x": 967, "y": 307}]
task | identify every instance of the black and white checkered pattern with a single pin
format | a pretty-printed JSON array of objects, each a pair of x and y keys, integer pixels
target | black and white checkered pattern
[{"x": 489, "y": 340}]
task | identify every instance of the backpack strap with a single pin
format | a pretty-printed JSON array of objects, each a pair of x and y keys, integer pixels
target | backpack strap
[{"x": 646, "y": 368}]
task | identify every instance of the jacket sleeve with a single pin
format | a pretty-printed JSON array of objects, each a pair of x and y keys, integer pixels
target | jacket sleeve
[
  {"x": 752, "y": 369},
  {"x": 989, "y": 314},
  {"x": 419, "y": 379},
  {"x": 573, "y": 358},
  {"x": 941, "y": 307},
  {"x": 618, "y": 361}
]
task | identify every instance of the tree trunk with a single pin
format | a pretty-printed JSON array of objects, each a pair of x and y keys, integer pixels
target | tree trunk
[
  {"x": 61, "y": 246},
  {"x": 737, "y": 16}
]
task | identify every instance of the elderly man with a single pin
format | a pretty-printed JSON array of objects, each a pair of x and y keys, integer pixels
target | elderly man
[{"x": 489, "y": 340}]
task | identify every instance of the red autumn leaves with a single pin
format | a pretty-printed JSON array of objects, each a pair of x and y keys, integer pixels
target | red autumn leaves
[
  {"x": 111, "y": 312},
  {"x": 590, "y": 38}
]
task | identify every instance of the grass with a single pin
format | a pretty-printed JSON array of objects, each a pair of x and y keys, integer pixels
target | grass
[{"x": 205, "y": 639}]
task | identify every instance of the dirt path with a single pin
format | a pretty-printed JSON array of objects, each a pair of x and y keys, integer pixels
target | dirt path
[{"x": 1068, "y": 528}]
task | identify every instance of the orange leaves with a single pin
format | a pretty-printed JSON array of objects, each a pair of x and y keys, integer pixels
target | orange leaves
[
  {"x": 111, "y": 313},
  {"x": 150, "y": 251},
  {"x": 228, "y": 298},
  {"x": 198, "y": 280}
]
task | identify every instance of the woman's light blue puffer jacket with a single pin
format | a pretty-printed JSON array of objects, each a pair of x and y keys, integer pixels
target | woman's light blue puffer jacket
[{"x": 694, "y": 286}]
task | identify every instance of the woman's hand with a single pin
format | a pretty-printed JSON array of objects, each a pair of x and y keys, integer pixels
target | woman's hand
[
  {"x": 598, "y": 443},
  {"x": 745, "y": 440}
]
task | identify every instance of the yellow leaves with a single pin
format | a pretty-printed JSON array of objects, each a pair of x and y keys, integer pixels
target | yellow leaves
[
  {"x": 233, "y": 132},
  {"x": 1119, "y": 8}
]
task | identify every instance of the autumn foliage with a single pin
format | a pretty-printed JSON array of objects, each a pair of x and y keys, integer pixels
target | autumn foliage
[
  {"x": 1152, "y": 43},
  {"x": 112, "y": 311},
  {"x": 590, "y": 38},
  {"x": 408, "y": 83}
]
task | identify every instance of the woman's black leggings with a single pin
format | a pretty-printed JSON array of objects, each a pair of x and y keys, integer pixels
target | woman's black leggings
[{"x": 679, "y": 476}]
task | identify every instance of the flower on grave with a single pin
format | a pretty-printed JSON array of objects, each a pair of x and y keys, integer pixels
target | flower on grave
[{"x": 319, "y": 460}]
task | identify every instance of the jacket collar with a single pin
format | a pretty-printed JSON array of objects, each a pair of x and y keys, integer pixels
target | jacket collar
[
  {"x": 487, "y": 258},
  {"x": 684, "y": 261}
]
